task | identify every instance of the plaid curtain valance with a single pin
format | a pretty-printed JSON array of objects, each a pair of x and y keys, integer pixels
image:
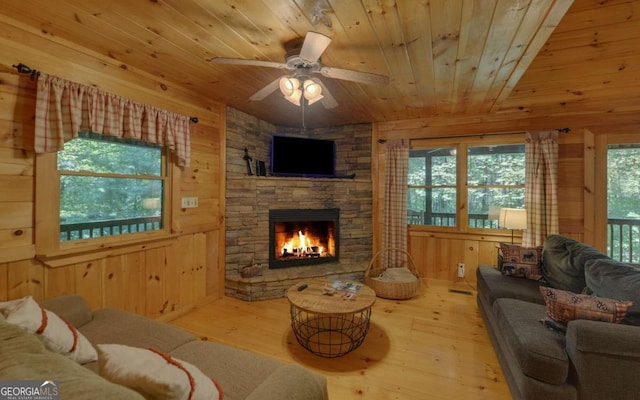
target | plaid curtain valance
[{"x": 64, "y": 109}]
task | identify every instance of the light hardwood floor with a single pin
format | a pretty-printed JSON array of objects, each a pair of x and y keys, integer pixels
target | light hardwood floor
[{"x": 434, "y": 346}]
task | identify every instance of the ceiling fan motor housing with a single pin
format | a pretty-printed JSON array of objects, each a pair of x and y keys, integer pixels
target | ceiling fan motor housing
[{"x": 294, "y": 61}]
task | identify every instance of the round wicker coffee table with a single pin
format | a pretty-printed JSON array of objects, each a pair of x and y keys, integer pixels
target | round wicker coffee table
[{"x": 329, "y": 325}]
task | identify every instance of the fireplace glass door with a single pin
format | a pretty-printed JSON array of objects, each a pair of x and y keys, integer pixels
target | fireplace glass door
[{"x": 303, "y": 237}]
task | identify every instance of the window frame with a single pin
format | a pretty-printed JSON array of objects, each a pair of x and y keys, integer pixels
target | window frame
[
  {"x": 444, "y": 186},
  {"x": 462, "y": 144},
  {"x": 47, "y": 212},
  {"x": 617, "y": 141}
]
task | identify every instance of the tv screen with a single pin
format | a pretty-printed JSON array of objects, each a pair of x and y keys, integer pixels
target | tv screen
[{"x": 295, "y": 156}]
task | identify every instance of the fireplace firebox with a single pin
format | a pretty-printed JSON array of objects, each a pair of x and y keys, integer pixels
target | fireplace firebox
[{"x": 300, "y": 237}]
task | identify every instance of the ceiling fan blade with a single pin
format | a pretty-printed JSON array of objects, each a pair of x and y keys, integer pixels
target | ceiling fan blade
[
  {"x": 242, "y": 61},
  {"x": 328, "y": 101},
  {"x": 349, "y": 75},
  {"x": 314, "y": 45},
  {"x": 265, "y": 91}
]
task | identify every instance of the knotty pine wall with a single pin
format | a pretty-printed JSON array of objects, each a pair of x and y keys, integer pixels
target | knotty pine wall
[
  {"x": 581, "y": 179},
  {"x": 158, "y": 279}
]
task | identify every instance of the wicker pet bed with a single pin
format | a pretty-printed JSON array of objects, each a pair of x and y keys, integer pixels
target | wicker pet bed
[{"x": 395, "y": 282}]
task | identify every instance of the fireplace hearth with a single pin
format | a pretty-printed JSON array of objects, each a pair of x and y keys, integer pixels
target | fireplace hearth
[{"x": 302, "y": 237}]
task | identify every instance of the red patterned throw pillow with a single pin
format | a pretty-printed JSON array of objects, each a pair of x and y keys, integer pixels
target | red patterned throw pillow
[
  {"x": 563, "y": 306},
  {"x": 521, "y": 262}
]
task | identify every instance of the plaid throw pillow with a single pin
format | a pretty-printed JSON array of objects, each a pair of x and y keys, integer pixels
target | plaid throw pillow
[{"x": 563, "y": 306}]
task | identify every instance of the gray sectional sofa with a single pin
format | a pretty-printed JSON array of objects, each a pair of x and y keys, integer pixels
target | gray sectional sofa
[
  {"x": 242, "y": 375},
  {"x": 593, "y": 359}
]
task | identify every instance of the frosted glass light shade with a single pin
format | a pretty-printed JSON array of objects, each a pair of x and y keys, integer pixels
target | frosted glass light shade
[
  {"x": 290, "y": 88},
  {"x": 312, "y": 91}
]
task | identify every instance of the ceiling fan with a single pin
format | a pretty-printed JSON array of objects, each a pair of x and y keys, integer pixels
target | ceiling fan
[{"x": 304, "y": 61}]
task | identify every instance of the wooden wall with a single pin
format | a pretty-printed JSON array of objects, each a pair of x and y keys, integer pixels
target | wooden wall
[
  {"x": 582, "y": 189},
  {"x": 158, "y": 279}
]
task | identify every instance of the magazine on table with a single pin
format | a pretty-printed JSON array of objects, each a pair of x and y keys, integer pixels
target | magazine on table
[{"x": 347, "y": 286}]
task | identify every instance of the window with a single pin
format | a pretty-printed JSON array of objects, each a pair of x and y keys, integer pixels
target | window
[
  {"x": 623, "y": 202},
  {"x": 432, "y": 193},
  {"x": 109, "y": 187},
  {"x": 495, "y": 179},
  {"x": 486, "y": 177}
]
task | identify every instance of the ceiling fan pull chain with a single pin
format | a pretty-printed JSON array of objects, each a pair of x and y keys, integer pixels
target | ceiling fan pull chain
[{"x": 304, "y": 127}]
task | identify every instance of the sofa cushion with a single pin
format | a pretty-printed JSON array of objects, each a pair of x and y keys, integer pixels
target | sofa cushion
[
  {"x": 539, "y": 351},
  {"x": 229, "y": 367},
  {"x": 57, "y": 334},
  {"x": 154, "y": 374},
  {"x": 122, "y": 327},
  {"x": 563, "y": 306},
  {"x": 563, "y": 261},
  {"x": 493, "y": 285},
  {"x": 609, "y": 278},
  {"x": 23, "y": 356}
]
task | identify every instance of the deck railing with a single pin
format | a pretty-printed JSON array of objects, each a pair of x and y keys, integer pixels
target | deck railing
[
  {"x": 623, "y": 239},
  {"x": 94, "y": 229},
  {"x": 447, "y": 219}
]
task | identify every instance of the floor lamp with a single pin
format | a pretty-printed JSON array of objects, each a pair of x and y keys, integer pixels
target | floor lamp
[{"x": 512, "y": 218}]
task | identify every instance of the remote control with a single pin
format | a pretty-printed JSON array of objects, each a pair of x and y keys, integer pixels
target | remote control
[{"x": 302, "y": 287}]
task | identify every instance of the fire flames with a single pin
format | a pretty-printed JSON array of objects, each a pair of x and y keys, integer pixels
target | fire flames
[{"x": 302, "y": 246}]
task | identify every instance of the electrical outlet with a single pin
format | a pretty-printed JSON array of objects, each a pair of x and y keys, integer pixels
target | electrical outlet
[
  {"x": 460, "y": 270},
  {"x": 189, "y": 202}
]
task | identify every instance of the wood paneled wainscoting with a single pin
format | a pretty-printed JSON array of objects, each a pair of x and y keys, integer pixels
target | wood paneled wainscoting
[
  {"x": 160, "y": 279},
  {"x": 440, "y": 253}
]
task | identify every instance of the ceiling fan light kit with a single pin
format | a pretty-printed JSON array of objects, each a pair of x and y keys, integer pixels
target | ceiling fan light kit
[
  {"x": 305, "y": 61},
  {"x": 291, "y": 90}
]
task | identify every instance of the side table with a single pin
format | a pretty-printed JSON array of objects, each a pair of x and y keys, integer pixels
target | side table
[{"x": 328, "y": 325}]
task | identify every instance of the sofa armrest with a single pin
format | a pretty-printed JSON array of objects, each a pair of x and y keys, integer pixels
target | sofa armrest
[
  {"x": 605, "y": 359},
  {"x": 604, "y": 338}
]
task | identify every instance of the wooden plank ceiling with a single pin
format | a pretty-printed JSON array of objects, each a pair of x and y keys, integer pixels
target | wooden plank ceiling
[{"x": 443, "y": 58}]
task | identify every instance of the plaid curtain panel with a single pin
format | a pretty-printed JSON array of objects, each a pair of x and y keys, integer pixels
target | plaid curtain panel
[
  {"x": 394, "y": 230},
  {"x": 541, "y": 187},
  {"x": 64, "y": 108}
]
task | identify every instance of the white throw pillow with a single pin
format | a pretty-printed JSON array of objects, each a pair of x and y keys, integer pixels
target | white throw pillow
[
  {"x": 57, "y": 333},
  {"x": 154, "y": 374}
]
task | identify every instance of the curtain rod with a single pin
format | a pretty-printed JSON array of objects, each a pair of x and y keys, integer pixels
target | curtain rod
[
  {"x": 560, "y": 130},
  {"x": 24, "y": 69}
]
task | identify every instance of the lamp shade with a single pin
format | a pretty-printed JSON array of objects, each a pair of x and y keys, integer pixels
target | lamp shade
[{"x": 513, "y": 218}]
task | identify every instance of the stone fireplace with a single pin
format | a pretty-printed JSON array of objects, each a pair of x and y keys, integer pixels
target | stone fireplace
[
  {"x": 303, "y": 237},
  {"x": 252, "y": 199}
]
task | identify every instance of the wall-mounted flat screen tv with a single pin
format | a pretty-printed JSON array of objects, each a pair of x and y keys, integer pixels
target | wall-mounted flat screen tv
[{"x": 296, "y": 156}]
